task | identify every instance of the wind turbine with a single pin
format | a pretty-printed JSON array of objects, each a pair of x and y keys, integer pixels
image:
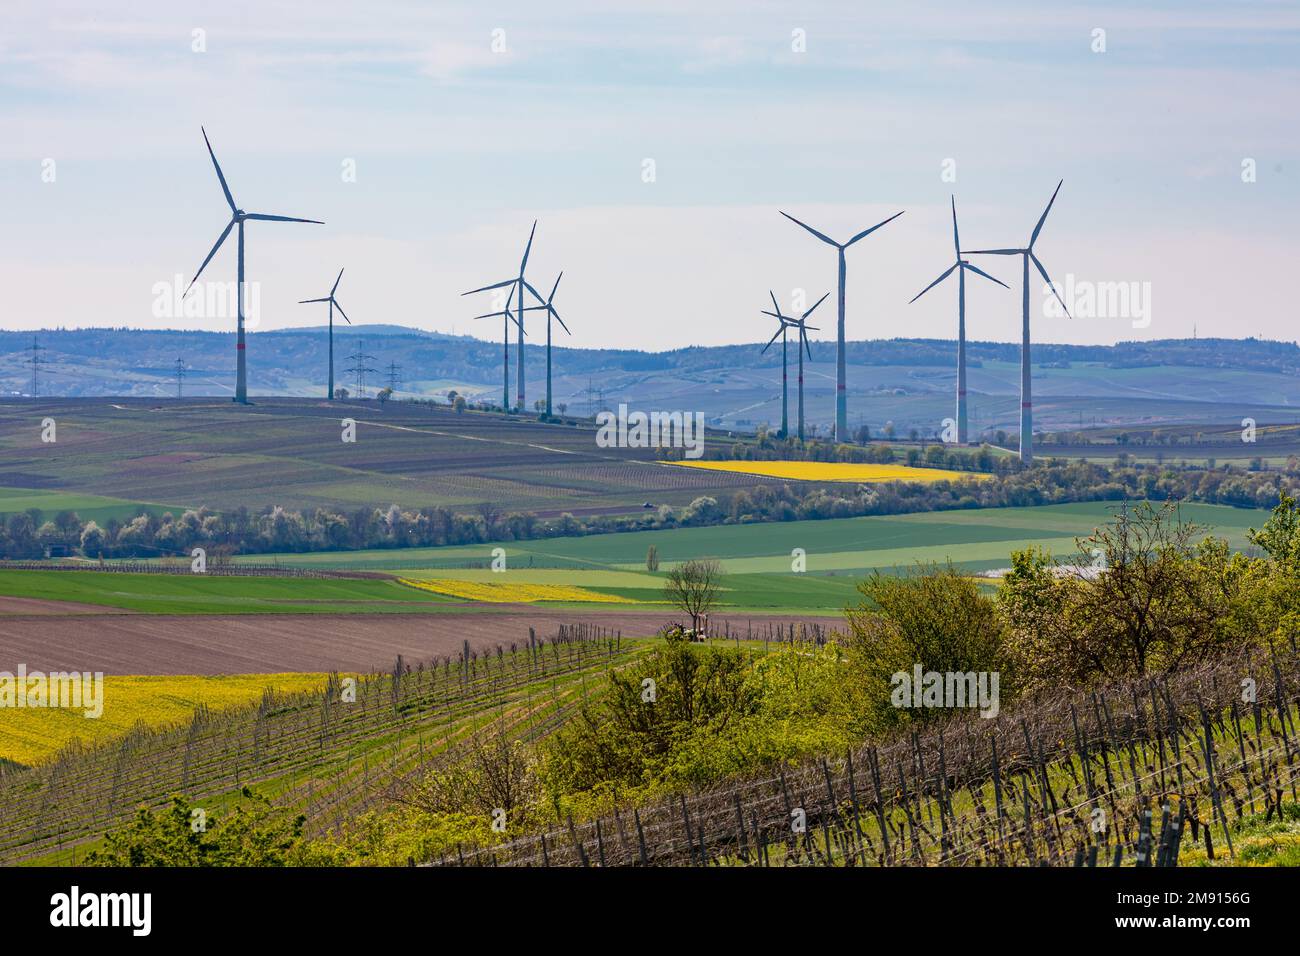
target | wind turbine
[
  {"x": 506, "y": 319},
  {"x": 841, "y": 403},
  {"x": 550, "y": 314},
  {"x": 1027, "y": 255},
  {"x": 333, "y": 305},
  {"x": 520, "y": 283},
  {"x": 237, "y": 218},
  {"x": 801, "y": 324},
  {"x": 785, "y": 379},
  {"x": 961, "y": 265}
]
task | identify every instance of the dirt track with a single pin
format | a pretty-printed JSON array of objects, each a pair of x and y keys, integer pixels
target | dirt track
[{"x": 277, "y": 643}]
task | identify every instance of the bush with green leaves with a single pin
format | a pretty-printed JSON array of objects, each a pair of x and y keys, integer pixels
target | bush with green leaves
[
  {"x": 254, "y": 833},
  {"x": 933, "y": 616}
]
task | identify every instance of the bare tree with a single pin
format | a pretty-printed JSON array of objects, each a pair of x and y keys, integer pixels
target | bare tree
[{"x": 693, "y": 587}]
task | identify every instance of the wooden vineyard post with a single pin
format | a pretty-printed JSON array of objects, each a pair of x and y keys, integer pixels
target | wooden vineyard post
[
  {"x": 740, "y": 829},
  {"x": 640, "y": 837},
  {"x": 880, "y": 805},
  {"x": 1214, "y": 787}
]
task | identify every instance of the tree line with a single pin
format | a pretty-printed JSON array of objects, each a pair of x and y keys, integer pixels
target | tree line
[{"x": 32, "y": 535}]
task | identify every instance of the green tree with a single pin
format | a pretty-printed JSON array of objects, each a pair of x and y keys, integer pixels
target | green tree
[
  {"x": 254, "y": 834},
  {"x": 932, "y": 615},
  {"x": 1280, "y": 536}
]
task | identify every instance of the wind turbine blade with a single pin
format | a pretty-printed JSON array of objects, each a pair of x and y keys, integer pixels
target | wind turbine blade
[
  {"x": 220, "y": 239},
  {"x": 820, "y": 235},
  {"x": 776, "y": 305},
  {"x": 265, "y": 218},
  {"x": 1048, "y": 279},
  {"x": 221, "y": 176},
  {"x": 815, "y": 304},
  {"x": 495, "y": 285},
  {"x": 994, "y": 252},
  {"x": 341, "y": 312},
  {"x": 775, "y": 335},
  {"x": 866, "y": 232},
  {"x": 785, "y": 319},
  {"x": 1043, "y": 218},
  {"x": 336, "y": 282},
  {"x": 803, "y": 334},
  {"x": 554, "y": 287},
  {"x": 956, "y": 242},
  {"x": 813, "y": 328},
  {"x": 945, "y": 275},
  {"x": 490, "y": 315},
  {"x": 527, "y": 249},
  {"x": 980, "y": 272},
  {"x": 305, "y": 301},
  {"x": 561, "y": 321},
  {"x": 537, "y": 295}
]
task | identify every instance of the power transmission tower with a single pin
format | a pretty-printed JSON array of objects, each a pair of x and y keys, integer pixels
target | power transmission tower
[
  {"x": 36, "y": 362},
  {"x": 394, "y": 376},
  {"x": 359, "y": 368},
  {"x": 180, "y": 378}
]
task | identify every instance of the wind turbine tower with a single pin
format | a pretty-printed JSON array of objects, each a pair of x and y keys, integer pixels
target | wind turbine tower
[
  {"x": 841, "y": 400},
  {"x": 960, "y": 266},
  {"x": 334, "y": 304},
  {"x": 1027, "y": 255},
  {"x": 237, "y": 218},
  {"x": 802, "y": 325}
]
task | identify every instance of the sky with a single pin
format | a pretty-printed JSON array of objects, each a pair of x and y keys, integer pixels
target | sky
[{"x": 655, "y": 143}]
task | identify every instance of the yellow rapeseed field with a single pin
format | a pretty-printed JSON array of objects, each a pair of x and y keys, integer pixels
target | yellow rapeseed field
[
  {"x": 29, "y": 736},
  {"x": 831, "y": 471},
  {"x": 506, "y": 593}
]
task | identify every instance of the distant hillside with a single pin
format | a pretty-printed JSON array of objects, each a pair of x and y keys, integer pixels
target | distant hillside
[{"x": 904, "y": 381}]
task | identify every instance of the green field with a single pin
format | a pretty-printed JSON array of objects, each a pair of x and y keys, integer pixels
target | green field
[
  {"x": 974, "y": 539},
  {"x": 196, "y": 594},
  {"x": 756, "y": 558},
  {"x": 96, "y": 508}
]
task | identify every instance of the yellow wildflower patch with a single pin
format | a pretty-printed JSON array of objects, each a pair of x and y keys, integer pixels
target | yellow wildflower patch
[
  {"x": 506, "y": 593},
  {"x": 831, "y": 471},
  {"x": 31, "y": 735}
]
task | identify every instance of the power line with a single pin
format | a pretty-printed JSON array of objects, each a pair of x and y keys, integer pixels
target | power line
[
  {"x": 359, "y": 368},
  {"x": 36, "y": 362}
]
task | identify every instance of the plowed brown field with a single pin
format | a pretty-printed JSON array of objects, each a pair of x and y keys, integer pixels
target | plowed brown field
[{"x": 123, "y": 643}]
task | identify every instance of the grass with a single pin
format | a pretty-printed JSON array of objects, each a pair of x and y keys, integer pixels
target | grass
[
  {"x": 836, "y": 471},
  {"x": 29, "y": 736},
  {"x": 196, "y": 594},
  {"x": 1256, "y": 842},
  {"x": 757, "y": 561},
  {"x": 977, "y": 538},
  {"x": 96, "y": 508}
]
